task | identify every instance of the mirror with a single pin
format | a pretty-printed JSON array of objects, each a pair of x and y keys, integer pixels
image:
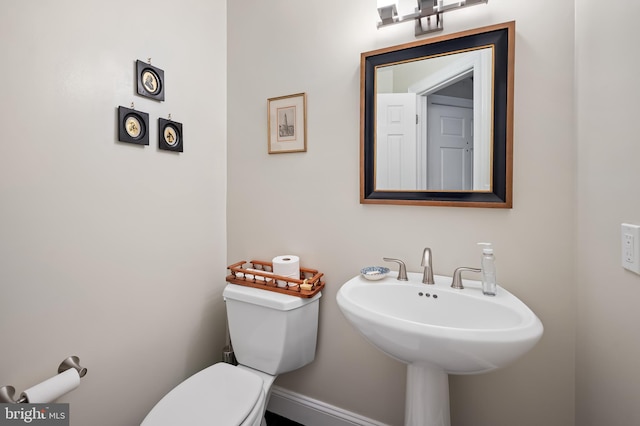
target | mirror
[{"x": 437, "y": 121}]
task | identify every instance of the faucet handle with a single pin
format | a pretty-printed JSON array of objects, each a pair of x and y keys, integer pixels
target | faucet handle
[
  {"x": 402, "y": 269},
  {"x": 457, "y": 276}
]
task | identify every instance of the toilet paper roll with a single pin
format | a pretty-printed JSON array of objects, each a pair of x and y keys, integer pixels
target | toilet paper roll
[
  {"x": 286, "y": 265},
  {"x": 53, "y": 388}
]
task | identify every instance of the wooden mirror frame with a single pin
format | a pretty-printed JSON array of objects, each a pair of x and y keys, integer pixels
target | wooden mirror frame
[{"x": 501, "y": 38}]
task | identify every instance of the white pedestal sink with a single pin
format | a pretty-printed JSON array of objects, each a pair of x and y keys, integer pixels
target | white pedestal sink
[{"x": 438, "y": 330}]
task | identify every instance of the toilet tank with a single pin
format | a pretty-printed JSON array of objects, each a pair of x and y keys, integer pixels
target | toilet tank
[{"x": 271, "y": 332}]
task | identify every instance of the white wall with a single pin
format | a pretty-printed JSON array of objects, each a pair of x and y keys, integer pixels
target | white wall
[
  {"x": 608, "y": 348},
  {"x": 307, "y": 203},
  {"x": 109, "y": 251}
]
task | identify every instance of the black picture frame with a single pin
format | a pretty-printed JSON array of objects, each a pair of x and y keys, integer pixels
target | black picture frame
[
  {"x": 133, "y": 126},
  {"x": 170, "y": 135},
  {"x": 150, "y": 81},
  {"x": 501, "y": 39}
]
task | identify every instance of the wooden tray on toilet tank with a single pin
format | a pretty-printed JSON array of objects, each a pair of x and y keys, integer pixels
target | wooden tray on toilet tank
[{"x": 258, "y": 274}]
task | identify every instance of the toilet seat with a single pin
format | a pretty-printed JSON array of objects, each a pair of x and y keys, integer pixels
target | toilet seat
[{"x": 221, "y": 395}]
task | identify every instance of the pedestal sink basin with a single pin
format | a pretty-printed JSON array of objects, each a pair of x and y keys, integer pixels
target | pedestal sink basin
[{"x": 438, "y": 330}]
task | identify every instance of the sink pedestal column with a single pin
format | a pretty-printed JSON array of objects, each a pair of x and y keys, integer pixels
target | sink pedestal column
[{"x": 427, "y": 400}]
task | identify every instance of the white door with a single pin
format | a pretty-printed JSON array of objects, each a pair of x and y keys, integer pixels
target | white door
[
  {"x": 450, "y": 146},
  {"x": 395, "y": 155}
]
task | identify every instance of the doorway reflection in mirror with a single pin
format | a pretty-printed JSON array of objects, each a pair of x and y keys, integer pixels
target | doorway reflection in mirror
[{"x": 433, "y": 125}]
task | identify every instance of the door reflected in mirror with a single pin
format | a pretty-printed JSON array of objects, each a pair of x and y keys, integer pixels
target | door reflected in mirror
[
  {"x": 437, "y": 120},
  {"x": 433, "y": 123}
]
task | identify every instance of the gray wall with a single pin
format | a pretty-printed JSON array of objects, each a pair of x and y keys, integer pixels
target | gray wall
[
  {"x": 607, "y": 345},
  {"x": 308, "y": 203},
  {"x": 110, "y": 251}
]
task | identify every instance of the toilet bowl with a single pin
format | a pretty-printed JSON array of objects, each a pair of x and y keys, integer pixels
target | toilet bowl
[
  {"x": 272, "y": 333},
  {"x": 220, "y": 394}
]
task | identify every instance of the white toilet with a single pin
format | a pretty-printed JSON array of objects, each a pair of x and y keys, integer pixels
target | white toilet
[{"x": 271, "y": 333}]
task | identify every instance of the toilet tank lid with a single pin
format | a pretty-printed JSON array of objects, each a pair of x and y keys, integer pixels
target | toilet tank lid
[
  {"x": 221, "y": 392},
  {"x": 270, "y": 299}
]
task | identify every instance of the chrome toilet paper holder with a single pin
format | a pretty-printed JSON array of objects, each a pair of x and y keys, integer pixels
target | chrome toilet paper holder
[{"x": 7, "y": 393}]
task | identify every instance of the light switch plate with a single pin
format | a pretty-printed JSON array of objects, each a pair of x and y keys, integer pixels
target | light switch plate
[{"x": 630, "y": 239}]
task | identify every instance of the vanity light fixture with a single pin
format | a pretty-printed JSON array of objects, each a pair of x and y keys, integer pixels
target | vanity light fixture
[{"x": 432, "y": 10}]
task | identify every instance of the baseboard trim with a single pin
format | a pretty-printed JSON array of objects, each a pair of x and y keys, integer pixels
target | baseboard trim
[{"x": 311, "y": 412}]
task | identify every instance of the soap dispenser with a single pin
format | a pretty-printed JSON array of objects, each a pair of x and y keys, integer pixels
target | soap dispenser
[{"x": 489, "y": 287}]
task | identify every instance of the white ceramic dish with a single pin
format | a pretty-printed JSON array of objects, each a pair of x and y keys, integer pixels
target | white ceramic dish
[{"x": 374, "y": 273}]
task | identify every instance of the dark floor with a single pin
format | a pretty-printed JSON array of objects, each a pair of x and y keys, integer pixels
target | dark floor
[{"x": 276, "y": 420}]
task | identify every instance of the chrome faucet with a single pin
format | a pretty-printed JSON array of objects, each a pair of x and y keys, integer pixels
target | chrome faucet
[
  {"x": 402, "y": 269},
  {"x": 427, "y": 276}
]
